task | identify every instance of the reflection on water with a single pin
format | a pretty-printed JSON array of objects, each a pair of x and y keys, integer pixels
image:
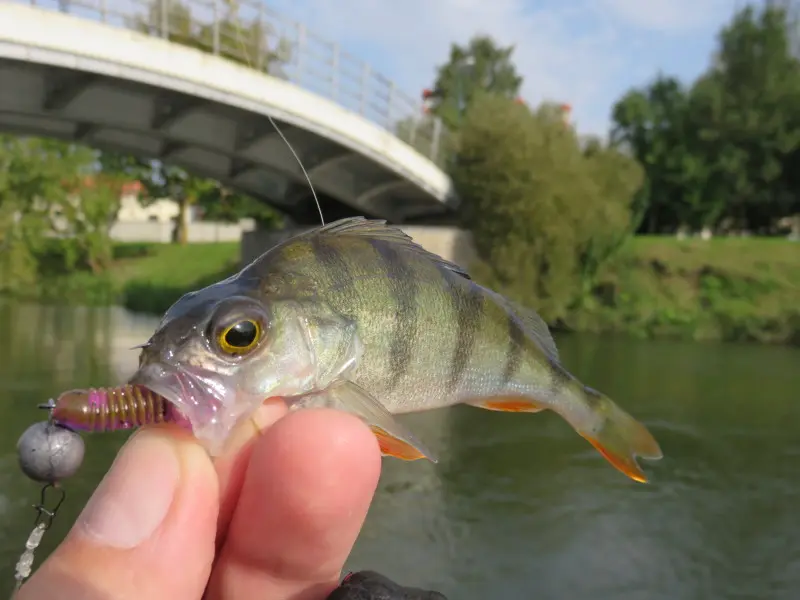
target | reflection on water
[{"x": 519, "y": 505}]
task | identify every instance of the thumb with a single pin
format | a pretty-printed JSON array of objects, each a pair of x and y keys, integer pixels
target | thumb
[{"x": 147, "y": 532}]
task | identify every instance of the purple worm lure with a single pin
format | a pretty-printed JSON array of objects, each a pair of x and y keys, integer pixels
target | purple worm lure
[{"x": 110, "y": 409}]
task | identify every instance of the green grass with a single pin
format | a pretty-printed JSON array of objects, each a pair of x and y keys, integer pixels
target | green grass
[
  {"x": 171, "y": 263},
  {"x": 738, "y": 289},
  {"x": 143, "y": 277},
  {"x": 151, "y": 283}
]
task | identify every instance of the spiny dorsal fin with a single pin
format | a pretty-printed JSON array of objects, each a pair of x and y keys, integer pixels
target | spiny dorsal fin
[
  {"x": 379, "y": 230},
  {"x": 533, "y": 324}
]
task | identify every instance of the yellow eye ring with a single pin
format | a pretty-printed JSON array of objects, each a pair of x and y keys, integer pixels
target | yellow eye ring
[{"x": 240, "y": 337}]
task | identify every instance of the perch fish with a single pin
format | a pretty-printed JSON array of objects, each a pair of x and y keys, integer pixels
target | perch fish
[{"x": 355, "y": 316}]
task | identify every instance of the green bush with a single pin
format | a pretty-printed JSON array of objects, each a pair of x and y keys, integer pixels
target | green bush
[{"x": 546, "y": 211}]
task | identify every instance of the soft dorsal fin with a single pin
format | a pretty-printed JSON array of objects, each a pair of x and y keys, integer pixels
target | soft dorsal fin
[
  {"x": 533, "y": 324},
  {"x": 378, "y": 229}
]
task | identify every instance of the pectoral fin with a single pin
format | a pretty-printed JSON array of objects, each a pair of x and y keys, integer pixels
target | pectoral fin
[
  {"x": 393, "y": 437},
  {"x": 393, "y": 446}
]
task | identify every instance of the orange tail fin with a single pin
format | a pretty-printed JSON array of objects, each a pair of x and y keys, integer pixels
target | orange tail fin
[{"x": 619, "y": 437}]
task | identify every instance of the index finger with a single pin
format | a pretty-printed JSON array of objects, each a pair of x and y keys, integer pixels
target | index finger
[
  {"x": 232, "y": 464},
  {"x": 306, "y": 493}
]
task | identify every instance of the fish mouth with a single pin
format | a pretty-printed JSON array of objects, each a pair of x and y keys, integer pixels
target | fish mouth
[
  {"x": 198, "y": 401},
  {"x": 173, "y": 414}
]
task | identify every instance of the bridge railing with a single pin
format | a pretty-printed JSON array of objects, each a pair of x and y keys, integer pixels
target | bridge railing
[{"x": 252, "y": 33}]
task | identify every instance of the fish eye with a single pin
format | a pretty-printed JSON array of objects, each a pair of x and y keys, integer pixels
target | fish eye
[{"x": 240, "y": 337}]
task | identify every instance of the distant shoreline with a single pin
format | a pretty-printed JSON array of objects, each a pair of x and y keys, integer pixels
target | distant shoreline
[{"x": 726, "y": 289}]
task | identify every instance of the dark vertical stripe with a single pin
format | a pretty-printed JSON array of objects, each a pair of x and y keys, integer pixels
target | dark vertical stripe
[
  {"x": 468, "y": 305},
  {"x": 593, "y": 397},
  {"x": 334, "y": 263},
  {"x": 516, "y": 345},
  {"x": 560, "y": 377},
  {"x": 404, "y": 287},
  {"x": 339, "y": 272}
]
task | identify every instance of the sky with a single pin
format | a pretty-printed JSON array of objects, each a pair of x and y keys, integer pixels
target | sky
[{"x": 585, "y": 53}]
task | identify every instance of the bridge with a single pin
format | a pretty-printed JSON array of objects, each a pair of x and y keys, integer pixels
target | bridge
[{"x": 192, "y": 84}]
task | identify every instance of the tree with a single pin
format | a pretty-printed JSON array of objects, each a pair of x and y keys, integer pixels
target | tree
[
  {"x": 479, "y": 67},
  {"x": 215, "y": 201},
  {"x": 751, "y": 105},
  {"x": 545, "y": 212},
  {"x": 21, "y": 226},
  {"x": 655, "y": 125},
  {"x": 724, "y": 151},
  {"x": 84, "y": 221},
  {"x": 250, "y": 42},
  {"x": 55, "y": 212},
  {"x": 617, "y": 209},
  {"x": 167, "y": 181},
  {"x": 219, "y": 203},
  {"x": 253, "y": 44}
]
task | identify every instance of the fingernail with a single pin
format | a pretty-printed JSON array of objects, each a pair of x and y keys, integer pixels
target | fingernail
[
  {"x": 136, "y": 494},
  {"x": 246, "y": 431}
]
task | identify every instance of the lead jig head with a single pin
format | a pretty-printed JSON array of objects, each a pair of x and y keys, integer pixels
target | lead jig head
[{"x": 49, "y": 453}]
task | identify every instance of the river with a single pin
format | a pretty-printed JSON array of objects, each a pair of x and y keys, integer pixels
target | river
[{"x": 519, "y": 506}]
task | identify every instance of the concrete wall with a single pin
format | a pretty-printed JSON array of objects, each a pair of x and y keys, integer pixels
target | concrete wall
[
  {"x": 450, "y": 243},
  {"x": 131, "y": 210},
  {"x": 155, "y": 232}
]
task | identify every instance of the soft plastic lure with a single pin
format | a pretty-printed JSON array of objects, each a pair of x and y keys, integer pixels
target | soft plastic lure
[{"x": 111, "y": 409}]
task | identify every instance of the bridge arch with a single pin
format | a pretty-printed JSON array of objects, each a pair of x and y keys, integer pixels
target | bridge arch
[{"x": 72, "y": 78}]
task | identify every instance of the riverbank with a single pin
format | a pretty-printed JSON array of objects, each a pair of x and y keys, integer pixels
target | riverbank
[
  {"x": 144, "y": 277},
  {"x": 729, "y": 289},
  {"x": 735, "y": 289}
]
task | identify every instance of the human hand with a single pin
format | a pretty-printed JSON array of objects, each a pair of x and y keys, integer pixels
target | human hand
[{"x": 274, "y": 518}]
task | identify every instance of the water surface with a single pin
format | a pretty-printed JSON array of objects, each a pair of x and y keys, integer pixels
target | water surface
[{"x": 519, "y": 506}]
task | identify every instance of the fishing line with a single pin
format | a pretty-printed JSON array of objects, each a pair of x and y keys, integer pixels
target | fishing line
[{"x": 245, "y": 54}]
